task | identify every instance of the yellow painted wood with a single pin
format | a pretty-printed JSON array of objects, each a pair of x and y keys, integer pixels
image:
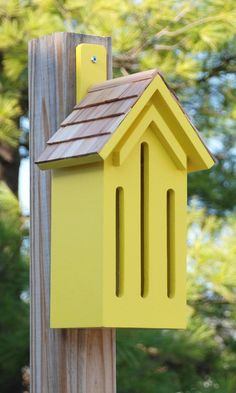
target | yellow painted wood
[
  {"x": 156, "y": 310},
  {"x": 191, "y": 138},
  {"x": 91, "y": 66},
  {"x": 83, "y": 256},
  {"x": 157, "y": 92},
  {"x": 106, "y": 216},
  {"x": 150, "y": 115},
  {"x": 77, "y": 247},
  {"x": 82, "y": 160}
]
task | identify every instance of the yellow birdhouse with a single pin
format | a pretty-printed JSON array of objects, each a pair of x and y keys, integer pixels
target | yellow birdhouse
[{"x": 119, "y": 194}]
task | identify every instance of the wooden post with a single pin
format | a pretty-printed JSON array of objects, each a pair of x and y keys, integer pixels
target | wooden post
[{"x": 62, "y": 360}]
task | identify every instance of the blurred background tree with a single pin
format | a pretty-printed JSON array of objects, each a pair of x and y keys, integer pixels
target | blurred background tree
[
  {"x": 203, "y": 357},
  {"x": 14, "y": 329},
  {"x": 193, "y": 44}
]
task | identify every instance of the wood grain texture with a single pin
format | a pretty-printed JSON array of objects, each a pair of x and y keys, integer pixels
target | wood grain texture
[
  {"x": 62, "y": 360},
  {"x": 93, "y": 113},
  {"x": 149, "y": 74}
]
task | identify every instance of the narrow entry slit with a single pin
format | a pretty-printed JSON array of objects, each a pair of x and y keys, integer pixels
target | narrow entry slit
[
  {"x": 144, "y": 212},
  {"x": 119, "y": 241},
  {"x": 170, "y": 243}
]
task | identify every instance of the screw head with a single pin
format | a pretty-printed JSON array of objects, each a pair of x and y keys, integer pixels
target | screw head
[{"x": 94, "y": 59}]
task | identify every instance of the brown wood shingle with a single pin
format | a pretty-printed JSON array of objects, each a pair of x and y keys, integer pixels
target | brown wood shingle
[{"x": 96, "y": 117}]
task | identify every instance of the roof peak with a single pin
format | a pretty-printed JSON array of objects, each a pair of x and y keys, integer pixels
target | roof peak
[
  {"x": 131, "y": 78},
  {"x": 88, "y": 129}
]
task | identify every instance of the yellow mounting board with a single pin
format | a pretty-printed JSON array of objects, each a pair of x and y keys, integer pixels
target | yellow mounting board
[{"x": 91, "y": 67}]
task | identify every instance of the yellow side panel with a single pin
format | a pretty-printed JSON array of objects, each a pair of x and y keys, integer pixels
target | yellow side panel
[
  {"x": 91, "y": 66},
  {"x": 76, "y": 246},
  {"x": 161, "y": 306}
]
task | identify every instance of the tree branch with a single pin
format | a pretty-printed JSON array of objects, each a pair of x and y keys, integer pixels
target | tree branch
[{"x": 184, "y": 29}]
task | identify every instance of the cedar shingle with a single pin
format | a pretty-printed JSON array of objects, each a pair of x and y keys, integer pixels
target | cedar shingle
[
  {"x": 100, "y": 111},
  {"x": 85, "y": 130},
  {"x": 100, "y": 96},
  {"x": 74, "y": 149},
  {"x": 139, "y": 76},
  {"x": 96, "y": 117}
]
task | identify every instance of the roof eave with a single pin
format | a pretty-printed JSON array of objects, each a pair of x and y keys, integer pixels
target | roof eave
[
  {"x": 195, "y": 167},
  {"x": 68, "y": 162}
]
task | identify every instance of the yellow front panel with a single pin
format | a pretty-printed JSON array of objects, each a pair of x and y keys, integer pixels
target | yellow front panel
[
  {"x": 76, "y": 246},
  {"x": 156, "y": 309}
]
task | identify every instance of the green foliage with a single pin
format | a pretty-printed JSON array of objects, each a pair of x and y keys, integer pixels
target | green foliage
[
  {"x": 14, "y": 280},
  {"x": 8, "y": 130},
  {"x": 211, "y": 255},
  {"x": 193, "y": 43},
  {"x": 201, "y": 358}
]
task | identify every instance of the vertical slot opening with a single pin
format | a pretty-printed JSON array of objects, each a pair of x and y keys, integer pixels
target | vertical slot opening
[
  {"x": 170, "y": 243},
  {"x": 144, "y": 213},
  {"x": 119, "y": 241}
]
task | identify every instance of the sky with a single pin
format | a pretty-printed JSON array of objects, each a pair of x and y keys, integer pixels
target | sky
[{"x": 24, "y": 186}]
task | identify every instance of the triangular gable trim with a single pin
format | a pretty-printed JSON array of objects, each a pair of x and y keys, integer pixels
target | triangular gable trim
[
  {"x": 150, "y": 117},
  {"x": 188, "y": 138}
]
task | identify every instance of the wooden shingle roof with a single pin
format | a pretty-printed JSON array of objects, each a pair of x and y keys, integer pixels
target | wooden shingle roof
[
  {"x": 86, "y": 134},
  {"x": 92, "y": 122}
]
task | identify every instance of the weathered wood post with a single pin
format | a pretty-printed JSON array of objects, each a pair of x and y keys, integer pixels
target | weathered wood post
[{"x": 62, "y": 360}]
